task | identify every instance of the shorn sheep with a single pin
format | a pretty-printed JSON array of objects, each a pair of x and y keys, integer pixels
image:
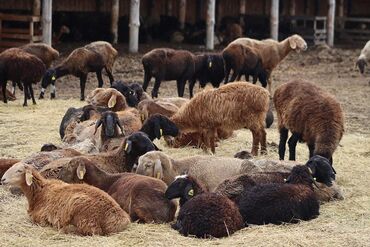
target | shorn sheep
[
  {"x": 203, "y": 214},
  {"x": 312, "y": 115},
  {"x": 19, "y": 66},
  {"x": 168, "y": 64},
  {"x": 141, "y": 196},
  {"x": 277, "y": 203},
  {"x": 55, "y": 203},
  {"x": 273, "y": 52},
  {"x": 364, "y": 58},
  {"x": 230, "y": 107},
  {"x": 90, "y": 58}
]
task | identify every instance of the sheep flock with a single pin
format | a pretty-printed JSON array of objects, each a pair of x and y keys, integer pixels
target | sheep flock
[{"x": 131, "y": 148}]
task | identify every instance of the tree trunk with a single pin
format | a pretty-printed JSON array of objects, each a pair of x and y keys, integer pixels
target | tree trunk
[
  {"x": 211, "y": 9},
  {"x": 274, "y": 19},
  {"x": 46, "y": 21},
  {"x": 134, "y": 26},
  {"x": 331, "y": 19},
  {"x": 114, "y": 21}
]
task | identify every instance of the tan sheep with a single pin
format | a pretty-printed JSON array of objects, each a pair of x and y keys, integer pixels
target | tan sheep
[
  {"x": 108, "y": 97},
  {"x": 55, "y": 203},
  {"x": 273, "y": 52}
]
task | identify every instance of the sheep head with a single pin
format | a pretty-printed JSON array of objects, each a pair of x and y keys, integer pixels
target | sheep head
[
  {"x": 109, "y": 120},
  {"x": 361, "y": 63},
  {"x": 297, "y": 43},
  {"x": 300, "y": 175},
  {"x": 17, "y": 174},
  {"x": 158, "y": 125},
  {"x": 129, "y": 93},
  {"x": 49, "y": 77},
  {"x": 321, "y": 169}
]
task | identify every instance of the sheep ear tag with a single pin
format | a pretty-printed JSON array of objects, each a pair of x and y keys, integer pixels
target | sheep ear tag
[
  {"x": 161, "y": 132},
  {"x": 53, "y": 78},
  {"x": 29, "y": 178},
  {"x": 210, "y": 64},
  {"x": 191, "y": 192},
  {"x": 158, "y": 175},
  {"x": 81, "y": 170}
]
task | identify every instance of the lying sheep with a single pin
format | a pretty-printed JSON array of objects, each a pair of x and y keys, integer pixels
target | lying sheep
[
  {"x": 364, "y": 58},
  {"x": 168, "y": 64},
  {"x": 139, "y": 91},
  {"x": 203, "y": 214},
  {"x": 142, "y": 197},
  {"x": 129, "y": 93},
  {"x": 19, "y": 66},
  {"x": 107, "y": 97},
  {"x": 273, "y": 52},
  {"x": 312, "y": 115},
  {"x": 55, "y": 203},
  {"x": 277, "y": 203}
]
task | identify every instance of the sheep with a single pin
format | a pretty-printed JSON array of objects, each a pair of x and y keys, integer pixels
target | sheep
[
  {"x": 157, "y": 126},
  {"x": 107, "y": 97},
  {"x": 312, "y": 115},
  {"x": 121, "y": 159},
  {"x": 148, "y": 108},
  {"x": 203, "y": 214},
  {"x": 130, "y": 94},
  {"x": 168, "y": 64},
  {"x": 46, "y": 54},
  {"x": 244, "y": 60},
  {"x": 277, "y": 203},
  {"x": 55, "y": 203},
  {"x": 140, "y": 94},
  {"x": 208, "y": 68},
  {"x": 178, "y": 101},
  {"x": 20, "y": 66},
  {"x": 230, "y": 107},
  {"x": 273, "y": 52},
  {"x": 79, "y": 63},
  {"x": 364, "y": 58},
  {"x": 141, "y": 196},
  {"x": 5, "y": 164}
]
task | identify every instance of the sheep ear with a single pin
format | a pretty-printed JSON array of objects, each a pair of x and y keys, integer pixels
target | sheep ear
[
  {"x": 29, "y": 178},
  {"x": 81, "y": 171},
  {"x": 158, "y": 171},
  {"x": 118, "y": 122},
  {"x": 128, "y": 146},
  {"x": 112, "y": 101},
  {"x": 97, "y": 125},
  {"x": 191, "y": 193},
  {"x": 292, "y": 43}
]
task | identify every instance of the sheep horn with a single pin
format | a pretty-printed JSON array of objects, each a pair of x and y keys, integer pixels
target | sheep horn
[{"x": 97, "y": 125}]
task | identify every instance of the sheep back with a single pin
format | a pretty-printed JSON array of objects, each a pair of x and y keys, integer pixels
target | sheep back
[
  {"x": 106, "y": 50},
  {"x": 46, "y": 53}
]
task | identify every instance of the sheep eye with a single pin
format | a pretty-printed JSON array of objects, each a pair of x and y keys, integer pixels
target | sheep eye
[{"x": 19, "y": 171}]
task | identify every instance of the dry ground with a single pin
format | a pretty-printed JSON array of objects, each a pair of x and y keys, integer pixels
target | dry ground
[{"x": 342, "y": 223}]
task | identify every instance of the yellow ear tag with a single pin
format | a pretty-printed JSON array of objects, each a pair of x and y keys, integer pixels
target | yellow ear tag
[
  {"x": 142, "y": 117},
  {"x": 29, "y": 178},
  {"x": 81, "y": 175},
  {"x": 191, "y": 192},
  {"x": 126, "y": 147},
  {"x": 210, "y": 64},
  {"x": 161, "y": 132},
  {"x": 284, "y": 179},
  {"x": 314, "y": 179},
  {"x": 53, "y": 78},
  {"x": 158, "y": 175}
]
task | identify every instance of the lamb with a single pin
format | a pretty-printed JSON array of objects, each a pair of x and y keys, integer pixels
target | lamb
[
  {"x": 107, "y": 97},
  {"x": 141, "y": 196},
  {"x": 312, "y": 115},
  {"x": 55, "y": 203},
  {"x": 168, "y": 64},
  {"x": 230, "y": 107},
  {"x": 277, "y": 203},
  {"x": 90, "y": 58},
  {"x": 46, "y": 54},
  {"x": 273, "y": 52},
  {"x": 20, "y": 66},
  {"x": 364, "y": 58},
  {"x": 203, "y": 214},
  {"x": 244, "y": 60},
  {"x": 208, "y": 68}
]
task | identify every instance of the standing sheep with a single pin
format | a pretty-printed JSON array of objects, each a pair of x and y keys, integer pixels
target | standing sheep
[
  {"x": 55, "y": 203},
  {"x": 20, "y": 66},
  {"x": 168, "y": 64},
  {"x": 273, "y": 52},
  {"x": 312, "y": 115},
  {"x": 364, "y": 58}
]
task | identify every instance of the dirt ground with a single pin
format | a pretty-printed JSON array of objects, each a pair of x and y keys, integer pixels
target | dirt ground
[{"x": 341, "y": 223}]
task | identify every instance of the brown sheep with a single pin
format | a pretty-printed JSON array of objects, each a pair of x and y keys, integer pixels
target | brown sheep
[
  {"x": 273, "y": 52},
  {"x": 148, "y": 108},
  {"x": 168, "y": 64},
  {"x": 312, "y": 115},
  {"x": 141, "y": 196},
  {"x": 55, "y": 203},
  {"x": 107, "y": 97},
  {"x": 19, "y": 66},
  {"x": 232, "y": 32},
  {"x": 230, "y": 107}
]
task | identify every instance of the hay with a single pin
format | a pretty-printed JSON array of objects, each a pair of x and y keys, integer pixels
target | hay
[{"x": 342, "y": 223}]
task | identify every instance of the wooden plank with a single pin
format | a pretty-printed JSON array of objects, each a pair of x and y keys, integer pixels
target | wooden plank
[
  {"x": 15, "y": 36},
  {"x": 354, "y": 19},
  {"x": 25, "y": 18},
  {"x": 7, "y": 43}
]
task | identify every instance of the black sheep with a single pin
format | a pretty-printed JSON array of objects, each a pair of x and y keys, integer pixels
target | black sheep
[
  {"x": 203, "y": 214},
  {"x": 158, "y": 125},
  {"x": 127, "y": 91},
  {"x": 208, "y": 68},
  {"x": 277, "y": 203},
  {"x": 109, "y": 121}
]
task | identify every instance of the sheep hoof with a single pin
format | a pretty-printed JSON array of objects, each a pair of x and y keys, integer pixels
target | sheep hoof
[
  {"x": 41, "y": 96},
  {"x": 52, "y": 96},
  {"x": 24, "y": 105},
  {"x": 82, "y": 98}
]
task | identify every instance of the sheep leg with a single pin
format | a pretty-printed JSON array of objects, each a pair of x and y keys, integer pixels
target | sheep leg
[
  {"x": 191, "y": 87},
  {"x": 147, "y": 77},
  {"x": 239, "y": 77},
  {"x": 180, "y": 87},
  {"x": 227, "y": 74},
  {"x": 100, "y": 78},
  {"x": 25, "y": 94},
  {"x": 233, "y": 77},
  {"x": 269, "y": 84},
  {"x": 292, "y": 142},
  {"x": 263, "y": 141},
  {"x": 30, "y": 89},
  {"x": 110, "y": 76},
  {"x": 155, "y": 88},
  {"x": 212, "y": 135},
  {"x": 52, "y": 93},
  {"x": 282, "y": 143},
  {"x": 82, "y": 86},
  {"x": 14, "y": 84},
  {"x": 255, "y": 142},
  {"x": 3, "y": 87}
]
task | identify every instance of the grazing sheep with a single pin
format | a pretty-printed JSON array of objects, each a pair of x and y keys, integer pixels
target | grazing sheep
[
  {"x": 46, "y": 54},
  {"x": 273, "y": 52},
  {"x": 19, "y": 66},
  {"x": 230, "y": 107},
  {"x": 128, "y": 92},
  {"x": 364, "y": 57},
  {"x": 312, "y": 115},
  {"x": 79, "y": 63},
  {"x": 244, "y": 60},
  {"x": 168, "y": 64},
  {"x": 157, "y": 126},
  {"x": 277, "y": 203},
  {"x": 141, "y": 196},
  {"x": 55, "y": 203},
  {"x": 208, "y": 68},
  {"x": 107, "y": 97},
  {"x": 203, "y": 214}
]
